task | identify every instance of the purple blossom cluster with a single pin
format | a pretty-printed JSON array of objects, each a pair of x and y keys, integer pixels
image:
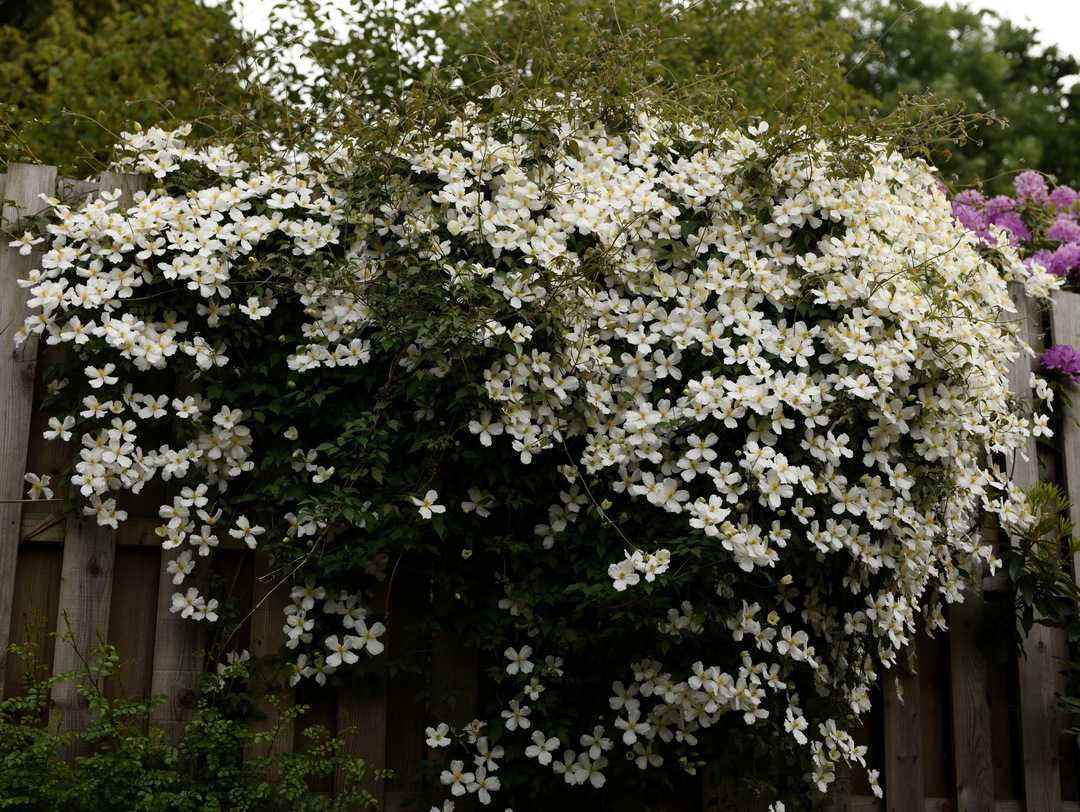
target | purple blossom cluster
[
  {"x": 1043, "y": 222},
  {"x": 1063, "y": 360}
]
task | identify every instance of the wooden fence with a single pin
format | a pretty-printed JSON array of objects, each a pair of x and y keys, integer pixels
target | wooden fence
[{"x": 970, "y": 735}]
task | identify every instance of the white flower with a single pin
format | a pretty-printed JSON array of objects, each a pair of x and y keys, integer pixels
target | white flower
[
  {"x": 59, "y": 430},
  {"x": 632, "y": 726},
  {"x": 101, "y": 376},
  {"x": 456, "y": 778},
  {"x": 366, "y": 637},
  {"x": 341, "y": 651},
  {"x": 247, "y": 532},
  {"x": 185, "y": 603},
  {"x": 429, "y": 504},
  {"x": 206, "y": 610},
  {"x": 519, "y": 660},
  {"x": 26, "y": 243},
  {"x": 517, "y": 716},
  {"x": 486, "y": 427},
  {"x": 438, "y": 736},
  {"x": 39, "y": 486},
  {"x": 180, "y": 567},
  {"x": 483, "y": 785},
  {"x": 254, "y": 309},
  {"x": 542, "y": 748}
]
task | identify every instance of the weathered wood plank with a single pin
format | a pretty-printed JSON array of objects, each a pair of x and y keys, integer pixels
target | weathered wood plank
[
  {"x": 904, "y": 781},
  {"x": 82, "y": 620},
  {"x": 1039, "y": 715},
  {"x": 267, "y": 639},
  {"x": 933, "y": 702},
  {"x": 839, "y": 797},
  {"x": 1065, "y": 326},
  {"x": 50, "y": 527},
  {"x": 971, "y": 715},
  {"x": 131, "y": 620},
  {"x": 409, "y": 690},
  {"x": 33, "y": 618},
  {"x": 971, "y": 704},
  {"x": 321, "y": 712},
  {"x": 87, "y": 572},
  {"x": 22, "y": 186},
  {"x": 178, "y": 656},
  {"x": 362, "y": 715},
  {"x": 867, "y": 803},
  {"x": 723, "y": 793}
]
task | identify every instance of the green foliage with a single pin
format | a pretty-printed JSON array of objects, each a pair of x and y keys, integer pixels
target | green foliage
[
  {"x": 73, "y": 74},
  {"x": 122, "y": 762},
  {"x": 762, "y": 57},
  {"x": 983, "y": 63},
  {"x": 1044, "y": 589}
]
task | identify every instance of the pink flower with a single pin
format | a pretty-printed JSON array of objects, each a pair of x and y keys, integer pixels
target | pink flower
[
  {"x": 1062, "y": 359},
  {"x": 1031, "y": 186}
]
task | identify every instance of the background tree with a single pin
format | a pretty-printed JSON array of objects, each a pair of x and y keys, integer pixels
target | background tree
[
  {"x": 74, "y": 73},
  {"x": 986, "y": 64},
  {"x": 113, "y": 61}
]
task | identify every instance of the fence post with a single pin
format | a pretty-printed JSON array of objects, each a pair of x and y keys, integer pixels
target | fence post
[
  {"x": 1065, "y": 328},
  {"x": 22, "y": 185},
  {"x": 1039, "y": 715},
  {"x": 972, "y": 738},
  {"x": 87, "y": 571}
]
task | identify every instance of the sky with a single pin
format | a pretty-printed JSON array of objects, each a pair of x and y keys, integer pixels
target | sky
[{"x": 1058, "y": 21}]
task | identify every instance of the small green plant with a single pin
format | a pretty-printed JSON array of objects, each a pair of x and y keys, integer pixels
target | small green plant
[
  {"x": 1044, "y": 590},
  {"x": 122, "y": 761}
]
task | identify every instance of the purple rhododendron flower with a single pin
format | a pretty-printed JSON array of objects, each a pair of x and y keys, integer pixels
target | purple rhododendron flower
[
  {"x": 1064, "y": 229},
  {"x": 1024, "y": 220},
  {"x": 1066, "y": 258},
  {"x": 1044, "y": 258},
  {"x": 1031, "y": 186},
  {"x": 1012, "y": 222},
  {"x": 970, "y": 197},
  {"x": 1063, "y": 197},
  {"x": 970, "y": 218},
  {"x": 998, "y": 205},
  {"x": 1062, "y": 359}
]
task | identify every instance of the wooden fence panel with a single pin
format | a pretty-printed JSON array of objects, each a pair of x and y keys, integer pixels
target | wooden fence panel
[
  {"x": 407, "y": 692},
  {"x": 1066, "y": 330},
  {"x": 131, "y": 624},
  {"x": 267, "y": 638},
  {"x": 178, "y": 657},
  {"x": 933, "y": 709},
  {"x": 37, "y": 595},
  {"x": 971, "y": 713},
  {"x": 82, "y": 619},
  {"x": 904, "y": 771},
  {"x": 362, "y": 717},
  {"x": 1039, "y": 714},
  {"x": 22, "y": 186}
]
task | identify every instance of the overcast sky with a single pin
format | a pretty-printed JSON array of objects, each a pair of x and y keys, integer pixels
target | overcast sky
[{"x": 1057, "y": 20}]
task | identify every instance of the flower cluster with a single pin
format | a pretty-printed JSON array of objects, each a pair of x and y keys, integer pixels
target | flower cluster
[
  {"x": 1043, "y": 222},
  {"x": 1062, "y": 359},
  {"x": 791, "y": 383}
]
